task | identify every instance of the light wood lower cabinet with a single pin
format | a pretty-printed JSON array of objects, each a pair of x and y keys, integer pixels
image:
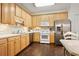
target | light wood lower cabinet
[
  {"x": 23, "y": 41},
  {"x": 51, "y": 37},
  {"x": 28, "y": 40},
  {"x": 17, "y": 45},
  {"x": 11, "y": 43},
  {"x": 3, "y": 47},
  {"x": 36, "y": 37}
]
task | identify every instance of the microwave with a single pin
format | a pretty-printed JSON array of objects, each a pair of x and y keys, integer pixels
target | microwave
[{"x": 45, "y": 23}]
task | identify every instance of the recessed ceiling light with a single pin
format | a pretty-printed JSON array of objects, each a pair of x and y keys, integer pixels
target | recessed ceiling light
[{"x": 43, "y": 4}]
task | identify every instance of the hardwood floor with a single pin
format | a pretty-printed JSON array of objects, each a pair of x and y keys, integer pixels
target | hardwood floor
[{"x": 37, "y": 49}]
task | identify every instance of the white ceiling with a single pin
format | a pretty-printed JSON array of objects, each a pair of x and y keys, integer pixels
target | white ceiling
[{"x": 58, "y": 7}]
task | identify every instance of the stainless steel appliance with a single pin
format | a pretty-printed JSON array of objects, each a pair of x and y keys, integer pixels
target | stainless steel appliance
[
  {"x": 61, "y": 26},
  {"x": 45, "y": 36}
]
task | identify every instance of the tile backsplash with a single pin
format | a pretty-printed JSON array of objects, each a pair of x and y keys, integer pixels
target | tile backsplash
[
  {"x": 11, "y": 29},
  {"x": 3, "y": 27}
]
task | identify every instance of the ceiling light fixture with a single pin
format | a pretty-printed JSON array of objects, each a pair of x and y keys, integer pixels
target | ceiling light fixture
[{"x": 43, "y": 4}]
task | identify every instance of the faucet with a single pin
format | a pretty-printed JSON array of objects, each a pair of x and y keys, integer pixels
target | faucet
[{"x": 18, "y": 31}]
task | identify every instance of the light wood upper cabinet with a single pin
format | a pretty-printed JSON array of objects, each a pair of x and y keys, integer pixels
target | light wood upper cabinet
[
  {"x": 11, "y": 49},
  {"x": 10, "y": 10},
  {"x": 18, "y": 11},
  {"x": 44, "y": 18},
  {"x": 12, "y": 13},
  {"x": 6, "y": 13},
  {"x": 38, "y": 20},
  {"x": 23, "y": 14},
  {"x": 51, "y": 20},
  {"x": 61, "y": 16},
  {"x": 49, "y": 17},
  {"x": 0, "y": 12},
  {"x": 3, "y": 47},
  {"x": 27, "y": 21},
  {"x": 35, "y": 21},
  {"x": 17, "y": 45}
]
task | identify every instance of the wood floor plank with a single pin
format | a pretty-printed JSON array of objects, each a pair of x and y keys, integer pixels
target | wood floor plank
[{"x": 37, "y": 49}]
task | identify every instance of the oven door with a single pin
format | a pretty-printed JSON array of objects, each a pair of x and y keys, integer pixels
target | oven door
[{"x": 44, "y": 38}]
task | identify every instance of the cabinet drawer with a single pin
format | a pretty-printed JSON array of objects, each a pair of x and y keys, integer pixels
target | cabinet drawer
[
  {"x": 17, "y": 37},
  {"x": 3, "y": 41},
  {"x": 11, "y": 39}
]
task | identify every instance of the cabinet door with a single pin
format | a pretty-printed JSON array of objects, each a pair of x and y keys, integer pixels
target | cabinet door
[
  {"x": 51, "y": 20},
  {"x": 6, "y": 13},
  {"x": 27, "y": 39},
  {"x": 34, "y": 21},
  {"x": 11, "y": 49},
  {"x": 18, "y": 11},
  {"x": 51, "y": 37},
  {"x": 17, "y": 45},
  {"x": 23, "y": 14},
  {"x": 36, "y": 37},
  {"x": 12, "y": 13},
  {"x": 27, "y": 21},
  {"x": 61, "y": 16},
  {"x": 31, "y": 37},
  {"x": 23, "y": 41},
  {"x": 38, "y": 19},
  {"x": 3, "y": 49},
  {"x": 0, "y": 12}
]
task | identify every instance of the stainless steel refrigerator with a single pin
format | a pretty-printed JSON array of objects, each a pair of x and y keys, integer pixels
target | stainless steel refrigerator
[{"x": 61, "y": 27}]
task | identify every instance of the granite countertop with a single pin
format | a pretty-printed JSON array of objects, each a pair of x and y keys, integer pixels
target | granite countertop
[
  {"x": 17, "y": 34},
  {"x": 11, "y": 35},
  {"x": 8, "y": 35},
  {"x": 72, "y": 46}
]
